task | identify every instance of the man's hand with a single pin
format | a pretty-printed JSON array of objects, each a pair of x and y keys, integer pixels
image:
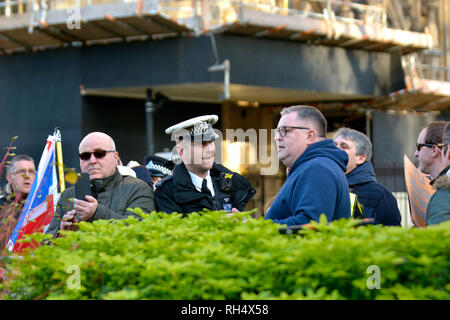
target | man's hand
[
  {"x": 233, "y": 211},
  {"x": 68, "y": 221},
  {"x": 85, "y": 209}
]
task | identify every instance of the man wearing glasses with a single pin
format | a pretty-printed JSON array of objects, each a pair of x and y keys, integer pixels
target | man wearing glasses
[
  {"x": 20, "y": 177},
  {"x": 428, "y": 149},
  {"x": 111, "y": 193},
  {"x": 316, "y": 183},
  {"x": 439, "y": 206}
]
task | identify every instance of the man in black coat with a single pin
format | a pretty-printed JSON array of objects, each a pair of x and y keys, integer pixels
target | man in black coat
[
  {"x": 198, "y": 183},
  {"x": 377, "y": 201},
  {"x": 158, "y": 167}
]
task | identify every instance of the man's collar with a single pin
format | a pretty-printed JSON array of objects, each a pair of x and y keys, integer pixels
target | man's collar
[
  {"x": 101, "y": 184},
  {"x": 197, "y": 181},
  {"x": 180, "y": 175},
  {"x": 445, "y": 171},
  {"x": 183, "y": 186}
]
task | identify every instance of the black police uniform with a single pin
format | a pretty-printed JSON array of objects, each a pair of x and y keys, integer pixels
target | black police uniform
[{"x": 177, "y": 193}]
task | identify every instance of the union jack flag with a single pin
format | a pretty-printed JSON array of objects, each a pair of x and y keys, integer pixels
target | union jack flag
[{"x": 41, "y": 202}]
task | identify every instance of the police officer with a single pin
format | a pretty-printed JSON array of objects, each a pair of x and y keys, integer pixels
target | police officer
[
  {"x": 158, "y": 167},
  {"x": 198, "y": 182}
]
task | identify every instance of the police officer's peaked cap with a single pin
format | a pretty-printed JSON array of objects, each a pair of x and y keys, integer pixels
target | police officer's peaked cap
[
  {"x": 158, "y": 166},
  {"x": 198, "y": 128}
]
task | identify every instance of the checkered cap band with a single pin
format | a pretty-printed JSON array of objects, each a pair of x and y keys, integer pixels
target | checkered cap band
[
  {"x": 199, "y": 129},
  {"x": 157, "y": 167}
]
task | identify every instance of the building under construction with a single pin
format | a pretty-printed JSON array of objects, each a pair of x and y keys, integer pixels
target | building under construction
[{"x": 132, "y": 68}]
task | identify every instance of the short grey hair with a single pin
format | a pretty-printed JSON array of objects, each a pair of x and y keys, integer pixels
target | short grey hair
[
  {"x": 309, "y": 113},
  {"x": 20, "y": 157},
  {"x": 361, "y": 141}
]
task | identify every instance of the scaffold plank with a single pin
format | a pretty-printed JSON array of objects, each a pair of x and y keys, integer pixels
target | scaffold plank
[
  {"x": 23, "y": 38},
  {"x": 9, "y": 44},
  {"x": 363, "y": 35},
  {"x": 145, "y": 18},
  {"x": 98, "y": 23}
]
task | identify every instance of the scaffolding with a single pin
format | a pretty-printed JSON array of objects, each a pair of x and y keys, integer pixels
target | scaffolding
[
  {"x": 29, "y": 24},
  {"x": 427, "y": 72},
  {"x": 416, "y": 29}
]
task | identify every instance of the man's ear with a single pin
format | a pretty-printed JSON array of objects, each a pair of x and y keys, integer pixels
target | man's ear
[
  {"x": 180, "y": 150},
  {"x": 437, "y": 152},
  {"x": 8, "y": 177},
  {"x": 361, "y": 159},
  {"x": 116, "y": 156},
  {"x": 311, "y": 137}
]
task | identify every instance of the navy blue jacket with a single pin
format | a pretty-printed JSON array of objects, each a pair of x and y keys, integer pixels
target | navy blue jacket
[
  {"x": 316, "y": 184},
  {"x": 176, "y": 193},
  {"x": 378, "y": 202}
]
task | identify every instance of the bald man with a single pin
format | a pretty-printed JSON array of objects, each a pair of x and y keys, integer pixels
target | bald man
[{"x": 111, "y": 193}]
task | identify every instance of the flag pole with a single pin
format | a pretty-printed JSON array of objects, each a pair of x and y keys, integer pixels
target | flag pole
[{"x": 62, "y": 183}]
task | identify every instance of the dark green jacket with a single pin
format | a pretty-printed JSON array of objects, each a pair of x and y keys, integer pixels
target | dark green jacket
[
  {"x": 115, "y": 194},
  {"x": 439, "y": 206}
]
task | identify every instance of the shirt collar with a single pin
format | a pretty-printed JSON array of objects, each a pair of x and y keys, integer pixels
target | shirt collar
[{"x": 197, "y": 181}]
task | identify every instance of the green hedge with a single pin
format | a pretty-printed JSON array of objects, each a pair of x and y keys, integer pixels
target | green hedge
[{"x": 211, "y": 256}]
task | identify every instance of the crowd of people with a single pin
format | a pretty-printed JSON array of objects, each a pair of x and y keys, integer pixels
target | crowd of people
[{"x": 323, "y": 174}]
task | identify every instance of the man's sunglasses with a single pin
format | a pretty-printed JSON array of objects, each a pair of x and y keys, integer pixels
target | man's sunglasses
[
  {"x": 98, "y": 154},
  {"x": 429, "y": 145}
]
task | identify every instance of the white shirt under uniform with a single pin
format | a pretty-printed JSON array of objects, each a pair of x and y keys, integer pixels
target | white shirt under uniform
[{"x": 197, "y": 181}]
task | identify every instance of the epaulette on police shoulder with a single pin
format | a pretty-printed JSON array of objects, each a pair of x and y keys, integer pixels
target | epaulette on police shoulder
[{"x": 164, "y": 180}]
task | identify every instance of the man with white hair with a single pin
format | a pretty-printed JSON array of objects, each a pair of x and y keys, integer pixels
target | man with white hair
[
  {"x": 112, "y": 194},
  {"x": 20, "y": 176},
  {"x": 378, "y": 202}
]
